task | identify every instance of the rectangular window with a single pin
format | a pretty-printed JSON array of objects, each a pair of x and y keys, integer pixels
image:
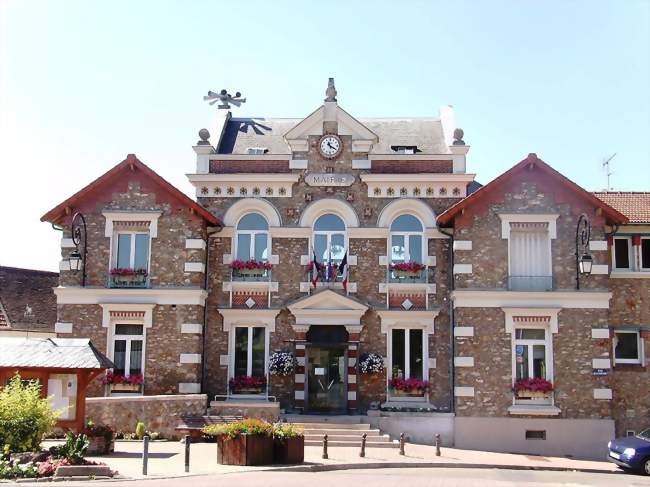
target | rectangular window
[
  {"x": 530, "y": 259},
  {"x": 627, "y": 347},
  {"x": 244, "y": 246},
  {"x": 530, "y": 352},
  {"x": 128, "y": 349},
  {"x": 250, "y": 351},
  {"x": 407, "y": 353},
  {"x": 622, "y": 253},
  {"x": 132, "y": 251},
  {"x": 645, "y": 254}
]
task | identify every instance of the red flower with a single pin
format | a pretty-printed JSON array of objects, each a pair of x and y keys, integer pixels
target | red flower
[
  {"x": 112, "y": 378},
  {"x": 407, "y": 267},
  {"x": 125, "y": 271},
  {"x": 246, "y": 382},
  {"x": 536, "y": 384},
  {"x": 408, "y": 384},
  {"x": 250, "y": 264}
]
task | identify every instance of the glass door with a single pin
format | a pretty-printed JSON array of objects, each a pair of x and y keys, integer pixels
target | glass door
[{"x": 326, "y": 379}]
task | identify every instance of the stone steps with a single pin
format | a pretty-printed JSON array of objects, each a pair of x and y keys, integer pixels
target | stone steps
[{"x": 341, "y": 431}]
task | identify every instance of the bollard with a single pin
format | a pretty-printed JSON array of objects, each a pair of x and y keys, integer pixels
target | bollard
[
  {"x": 401, "y": 444},
  {"x": 363, "y": 445},
  {"x": 437, "y": 445},
  {"x": 187, "y": 453},
  {"x": 325, "y": 455},
  {"x": 145, "y": 454}
]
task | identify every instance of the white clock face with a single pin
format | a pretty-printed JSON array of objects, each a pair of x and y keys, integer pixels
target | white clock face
[{"x": 330, "y": 146}]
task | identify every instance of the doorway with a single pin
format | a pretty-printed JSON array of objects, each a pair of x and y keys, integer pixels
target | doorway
[{"x": 327, "y": 369}]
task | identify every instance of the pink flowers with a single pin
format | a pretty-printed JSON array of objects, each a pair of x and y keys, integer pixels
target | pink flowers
[
  {"x": 536, "y": 384},
  {"x": 125, "y": 271},
  {"x": 111, "y": 378},
  {"x": 407, "y": 385},
  {"x": 246, "y": 382},
  {"x": 250, "y": 265},
  {"x": 413, "y": 267}
]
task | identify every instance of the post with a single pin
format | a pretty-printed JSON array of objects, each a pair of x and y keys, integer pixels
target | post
[
  {"x": 401, "y": 444},
  {"x": 187, "y": 453},
  {"x": 145, "y": 454},
  {"x": 325, "y": 455},
  {"x": 437, "y": 444},
  {"x": 363, "y": 445}
]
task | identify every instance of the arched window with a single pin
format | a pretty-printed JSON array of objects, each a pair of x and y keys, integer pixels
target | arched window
[
  {"x": 253, "y": 238},
  {"x": 406, "y": 236},
  {"x": 329, "y": 238}
]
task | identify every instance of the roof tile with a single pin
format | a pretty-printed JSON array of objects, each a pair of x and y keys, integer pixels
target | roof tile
[{"x": 634, "y": 205}]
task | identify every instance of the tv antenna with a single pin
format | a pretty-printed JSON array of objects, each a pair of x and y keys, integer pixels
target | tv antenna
[{"x": 608, "y": 171}]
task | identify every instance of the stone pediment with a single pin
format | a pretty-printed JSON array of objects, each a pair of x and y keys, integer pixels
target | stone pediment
[
  {"x": 327, "y": 308},
  {"x": 362, "y": 136}
]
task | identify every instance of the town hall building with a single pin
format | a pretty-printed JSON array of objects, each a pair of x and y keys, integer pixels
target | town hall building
[{"x": 502, "y": 314}]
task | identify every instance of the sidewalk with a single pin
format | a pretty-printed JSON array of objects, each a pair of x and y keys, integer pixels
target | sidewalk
[{"x": 166, "y": 459}]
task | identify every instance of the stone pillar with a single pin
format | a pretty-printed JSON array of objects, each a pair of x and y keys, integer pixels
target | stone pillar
[{"x": 353, "y": 349}]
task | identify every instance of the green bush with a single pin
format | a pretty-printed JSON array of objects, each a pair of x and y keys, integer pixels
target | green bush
[
  {"x": 74, "y": 449},
  {"x": 243, "y": 427},
  {"x": 24, "y": 416},
  {"x": 140, "y": 430}
]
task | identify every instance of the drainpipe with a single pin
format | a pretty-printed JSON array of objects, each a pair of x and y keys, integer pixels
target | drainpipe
[
  {"x": 452, "y": 322},
  {"x": 206, "y": 285}
]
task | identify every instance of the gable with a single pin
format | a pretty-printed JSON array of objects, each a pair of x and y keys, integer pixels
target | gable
[
  {"x": 327, "y": 299},
  {"x": 330, "y": 112},
  {"x": 117, "y": 180}
]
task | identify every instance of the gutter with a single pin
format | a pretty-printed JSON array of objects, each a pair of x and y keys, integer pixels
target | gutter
[{"x": 452, "y": 324}]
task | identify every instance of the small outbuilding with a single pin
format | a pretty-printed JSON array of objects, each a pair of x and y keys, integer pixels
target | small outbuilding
[{"x": 63, "y": 366}]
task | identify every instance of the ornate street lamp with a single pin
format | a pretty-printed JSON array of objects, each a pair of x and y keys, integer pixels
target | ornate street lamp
[
  {"x": 78, "y": 262},
  {"x": 584, "y": 261}
]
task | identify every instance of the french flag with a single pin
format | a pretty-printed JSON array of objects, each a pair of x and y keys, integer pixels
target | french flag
[
  {"x": 343, "y": 270},
  {"x": 314, "y": 269}
]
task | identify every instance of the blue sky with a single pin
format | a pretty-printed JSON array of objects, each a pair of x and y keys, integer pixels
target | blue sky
[{"x": 84, "y": 83}]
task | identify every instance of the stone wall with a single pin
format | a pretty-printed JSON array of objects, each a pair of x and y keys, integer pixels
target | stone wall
[{"x": 158, "y": 413}]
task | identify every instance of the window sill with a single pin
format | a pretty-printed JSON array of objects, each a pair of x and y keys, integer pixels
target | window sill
[
  {"x": 629, "y": 274},
  {"x": 534, "y": 410},
  {"x": 629, "y": 367}
]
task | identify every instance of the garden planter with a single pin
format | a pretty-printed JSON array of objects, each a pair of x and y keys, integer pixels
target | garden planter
[
  {"x": 245, "y": 450},
  {"x": 289, "y": 450},
  {"x": 83, "y": 471},
  {"x": 125, "y": 387},
  {"x": 248, "y": 390},
  {"x": 100, "y": 445},
  {"x": 251, "y": 272},
  {"x": 405, "y": 274},
  {"x": 532, "y": 395},
  {"x": 409, "y": 393}
]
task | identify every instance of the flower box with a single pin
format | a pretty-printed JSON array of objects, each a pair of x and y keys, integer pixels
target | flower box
[
  {"x": 408, "y": 393},
  {"x": 251, "y": 272},
  {"x": 406, "y": 274},
  {"x": 248, "y": 390},
  {"x": 535, "y": 388},
  {"x": 100, "y": 445},
  {"x": 243, "y": 384},
  {"x": 289, "y": 450},
  {"x": 125, "y": 387},
  {"x": 245, "y": 450},
  {"x": 408, "y": 387},
  {"x": 532, "y": 395}
]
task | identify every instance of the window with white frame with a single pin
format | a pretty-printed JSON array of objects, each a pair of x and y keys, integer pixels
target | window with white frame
[
  {"x": 329, "y": 239},
  {"x": 128, "y": 349},
  {"x": 253, "y": 238},
  {"x": 407, "y": 353},
  {"x": 406, "y": 237},
  {"x": 531, "y": 354},
  {"x": 628, "y": 347},
  {"x": 249, "y": 351},
  {"x": 622, "y": 253},
  {"x": 645, "y": 253},
  {"x": 530, "y": 257},
  {"x": 132, "y": 251}
]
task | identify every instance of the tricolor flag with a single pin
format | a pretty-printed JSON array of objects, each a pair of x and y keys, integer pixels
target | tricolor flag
[
  {"x": 343, "y": 270},
  {"x": 314, "y": 269}
]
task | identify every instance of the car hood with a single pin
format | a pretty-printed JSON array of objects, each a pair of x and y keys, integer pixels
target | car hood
[{"x": 620, "y": 444}]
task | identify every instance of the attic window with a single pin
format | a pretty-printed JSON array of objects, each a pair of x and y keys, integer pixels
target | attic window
[
  {"x": 257, "y": 151},
  {"x": 405, "y": 149}
]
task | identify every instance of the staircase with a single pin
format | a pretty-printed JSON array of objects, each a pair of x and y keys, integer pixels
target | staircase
[{"x": 340, "y": 431}]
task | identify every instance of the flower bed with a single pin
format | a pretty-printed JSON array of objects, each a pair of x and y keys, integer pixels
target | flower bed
[
  {"x": 245, "y": 442},
  {"x": 282, "y": 363},
  {"x": 371, "y": 363},
  {"x": 408, "y": 387},
  {"x": 535, "y": 388},
  {"x": 244, "y": 384}
]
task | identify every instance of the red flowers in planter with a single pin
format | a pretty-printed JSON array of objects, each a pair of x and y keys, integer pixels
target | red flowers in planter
[
  {"x": 246, "y": 382},
  {"x": 536, "y": 384},
  {"x": 250, "y": 264},
  {"x": 111, "y": 378},
  {"x": 408, "y": 384},
  {"x": 125, "y": 271},
  {"x": 407, "y": 267}
]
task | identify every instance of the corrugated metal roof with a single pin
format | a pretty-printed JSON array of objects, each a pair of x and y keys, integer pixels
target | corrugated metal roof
[{"x": 64, "y": 353}]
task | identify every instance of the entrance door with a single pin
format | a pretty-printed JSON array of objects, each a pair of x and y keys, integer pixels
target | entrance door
[{"x": 327, "y": 378}]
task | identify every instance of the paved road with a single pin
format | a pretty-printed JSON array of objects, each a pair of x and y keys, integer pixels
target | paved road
[{"x": 412, "y": 477}]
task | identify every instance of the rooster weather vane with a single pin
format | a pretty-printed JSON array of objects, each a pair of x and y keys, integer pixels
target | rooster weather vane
[{"x": 224, "y": 98}]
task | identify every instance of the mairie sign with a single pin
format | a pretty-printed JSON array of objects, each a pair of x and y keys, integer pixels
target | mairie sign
[{"x": 329, "y": 179}]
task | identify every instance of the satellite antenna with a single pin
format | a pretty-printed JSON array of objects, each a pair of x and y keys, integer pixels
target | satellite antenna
[
  {"x": 224, "y": 98},
  {"x": 608, "y": 171}
]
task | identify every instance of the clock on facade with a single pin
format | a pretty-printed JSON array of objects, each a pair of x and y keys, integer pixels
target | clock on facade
[{"x": 330, "y": 146}]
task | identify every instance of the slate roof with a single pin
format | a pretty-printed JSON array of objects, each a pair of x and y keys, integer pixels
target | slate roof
[
  {"x": 63, "y": 353},
  {"x": 633, "y": 204},
  {"x": 27, "y": 301},
  {"x": 240, "y": 134}
]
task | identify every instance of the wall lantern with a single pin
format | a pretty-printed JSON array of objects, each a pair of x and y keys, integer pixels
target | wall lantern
[
  {"x": 75, "y": 260},
  {"x": 584, "y": 261},
  {"x": 79, "y": 237}
]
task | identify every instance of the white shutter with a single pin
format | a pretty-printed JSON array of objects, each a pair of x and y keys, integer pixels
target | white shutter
[{"x": 530, "y": 257}]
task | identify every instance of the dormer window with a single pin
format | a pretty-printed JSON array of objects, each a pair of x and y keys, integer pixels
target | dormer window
[
  {"x": 405, "y": 149},
  {"x": 257, "y": 151}
]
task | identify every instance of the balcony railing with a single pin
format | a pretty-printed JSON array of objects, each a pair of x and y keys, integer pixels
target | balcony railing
[
  {"x": 530, "y": 283},
  {"x": 403, "y": 277},
  {"x": 251, "y": 275},
  {"x": 129, "y": 281}
]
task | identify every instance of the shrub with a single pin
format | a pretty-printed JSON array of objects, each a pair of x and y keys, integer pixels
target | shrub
[
  {"x": 281, "y": 363},
  {"x": 140, "y": 430},
  {"x": 73, "y": 450},
  {"x": 25, "y": 416},
  {"x": 284, "y": 431},
  {"x": 371, "y": 363},
  {"x": 92, "y": 430},
  {"x": 9, "y": 470},
  {"x": 243, "y": 427}
]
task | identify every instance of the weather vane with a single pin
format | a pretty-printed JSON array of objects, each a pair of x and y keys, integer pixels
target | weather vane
[{"x": 224, "y": 98}]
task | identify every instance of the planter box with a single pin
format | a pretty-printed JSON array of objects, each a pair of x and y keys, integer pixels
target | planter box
[
  {"x": 405, "y": 274},
  {"x": 99, "y": 445},
  {"x": 83, "y": 471},
  {"x": 248, "y": 390},
  {"x": 289, "y": 451},
  {"x": 245, "y": 450},
  {"x": 411, "y": 393},
  {"x": 125, "y": 387},
  {"x": 532, "y": 395}
]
